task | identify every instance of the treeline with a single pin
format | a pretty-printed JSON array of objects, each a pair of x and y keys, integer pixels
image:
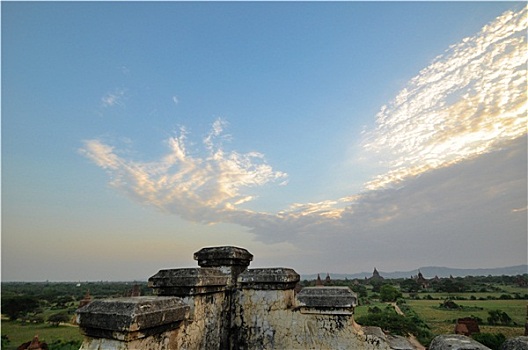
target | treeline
[
  {"x": 36, "y": 301},
  {"x": 469, "y": 284},
  {"x": 53, "y": 292}
]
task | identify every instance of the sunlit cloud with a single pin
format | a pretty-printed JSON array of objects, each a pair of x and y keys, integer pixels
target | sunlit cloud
[
  {"x": 460, "y": 125},
  {"x": 466, "y": 103},
  {"x": 517, "y": 210},
  {"x": 198, "y": 188}
]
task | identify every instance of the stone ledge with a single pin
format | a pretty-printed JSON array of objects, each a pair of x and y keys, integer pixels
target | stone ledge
[
  {"x": 277, "y": 278},
  {"x": 190, "y": 281},
  {"x": 131, "y": 318},
  {"x": 223, "y": 256},
  {"x": 455, "y": 342},
  {"x": 327, "y": 300},
  {"x": 517, "y": 343}
]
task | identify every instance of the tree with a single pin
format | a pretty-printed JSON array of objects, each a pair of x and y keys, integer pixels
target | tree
[
  {"x": 37, "y": 318},
  {"x": 5, "y": 341},
  {"x": 499, "y": 317},
  {"x": 492, "y": 341},
  {"x": 57, "y": 319},
  {"x": 410, "y": 286},
  {"x": 389, "y": 293},
  {"x": 450, "y": 286},
  {"x": 374, "y": 310},
  {"x": 360, "y": 290},
  {"x": 376, "y": 285},
  {"x": 18, "y": 306},
  {"x": 388, "y": 321}
]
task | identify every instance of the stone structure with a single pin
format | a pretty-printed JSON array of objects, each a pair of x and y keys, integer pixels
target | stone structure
[
  {"x": 375, "y": 276},
  {"x": 467, "y": 326},
  {"x": 318, "y": 281},
  {"x": 517, "y": 343},
  {"x": 35, "y": 344},
  {"x": 135, "y": 291},
  {"x": 224, "y": 305},
  {"x": 86, "y": 300},
  {"x": 328, "y": 280},
  {"x": 421, "y": 280},
  {"x": 455, "y": 342}
]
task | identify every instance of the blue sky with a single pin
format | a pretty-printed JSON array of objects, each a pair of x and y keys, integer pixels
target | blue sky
[{"x": 320, "y": 136}]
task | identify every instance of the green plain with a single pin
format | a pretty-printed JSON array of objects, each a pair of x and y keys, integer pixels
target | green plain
[{"x": 19, "y": 333}]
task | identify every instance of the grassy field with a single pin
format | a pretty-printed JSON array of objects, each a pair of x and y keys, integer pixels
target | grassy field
[
  {"x": 363, "y": 309},
  {"x": 429, "y": 309},
  {"x": 443, "y": 321},
  {"x": 19, "y": 333}
]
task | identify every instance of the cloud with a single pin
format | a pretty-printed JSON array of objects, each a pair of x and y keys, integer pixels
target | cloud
[
  {"x": 454, "y": 141},
  {"x": 114, "y": 98},
  {"x": 198, "y": 188},
  {"x": 175, "y": 100},
  {"x": 466, "y": 103},
  {"x": 469, "y": 211}
]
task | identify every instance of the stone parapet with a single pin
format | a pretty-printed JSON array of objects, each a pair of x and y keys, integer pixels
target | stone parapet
[
  {"x": 190, "y": 281},
  {"x": 127, "y": 319},
  {"x": 224, "y": 305},
  {"x": 277, "y": 278},
  {"x": 331, "y": 300}
]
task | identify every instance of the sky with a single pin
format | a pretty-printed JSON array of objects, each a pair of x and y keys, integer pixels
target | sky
[{"x": 322, "y": 136}]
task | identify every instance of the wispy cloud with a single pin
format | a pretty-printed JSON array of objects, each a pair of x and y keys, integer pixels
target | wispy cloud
[
  {"x": 114, "y": 98},
  {"x": 460, "y": 124},
  {"x": 467, "y": 102},
  {"x": 199, "y": 188}
]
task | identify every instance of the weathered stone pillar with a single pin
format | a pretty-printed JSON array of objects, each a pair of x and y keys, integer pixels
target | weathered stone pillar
[
  {"x": 208, "y": 291},
  {"x": 131, "y": 323},
  {"x": 261, "y": 305}
]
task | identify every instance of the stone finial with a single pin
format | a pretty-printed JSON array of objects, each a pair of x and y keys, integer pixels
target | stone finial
[
  {"x": 277, "y": 278},
  {"x": 127, "y": 319},
  {"x": 223, "y": 256}
]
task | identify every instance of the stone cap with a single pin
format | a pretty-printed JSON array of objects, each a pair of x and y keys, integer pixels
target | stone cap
[
  {"x": 374, "y": 331},
  {"x": 223, "y": 256},
  {"x": 188, "y": 281},
  {"x": 516, "y": 343},
  {"x": 397, "y": 342},
  {"x": 455, "y": 342},
  {"x": 268, "y": 278},
  {"x": 327, "y": 297},
  {"x": 130, "y": 318}
]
